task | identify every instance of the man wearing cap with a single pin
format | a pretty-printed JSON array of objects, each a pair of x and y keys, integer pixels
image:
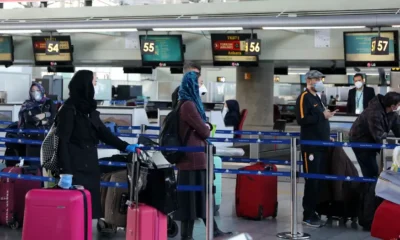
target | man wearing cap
[{"x": 313, "y": 118}]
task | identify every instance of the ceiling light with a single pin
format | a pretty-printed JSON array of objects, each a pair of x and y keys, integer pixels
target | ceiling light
[
  {"x": 198, "y": 29},
  {"x": 97, "y": 30},
  {"x": 311, "y": 27},
  {"x": 396, "y": 26},
  {"x": 19, "y": 31}
]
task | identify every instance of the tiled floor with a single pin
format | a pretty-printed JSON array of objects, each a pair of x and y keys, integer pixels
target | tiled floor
[{"x": 266, "y": 229}]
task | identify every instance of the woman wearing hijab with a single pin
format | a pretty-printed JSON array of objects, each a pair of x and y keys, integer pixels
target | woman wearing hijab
[
  {"x": 231, "y": 114},
  {"x": 80, "y": 129},
  {"x": 192, "y": 168},
  {"x": 37, "y": 112}
]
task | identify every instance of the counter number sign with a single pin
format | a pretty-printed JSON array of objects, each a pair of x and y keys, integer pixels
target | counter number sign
[
  {"x": 148, "y": 47},
  {"x": 380, "y": 46},
  {"x": 52, "y": 48},
  {"x": 253, "y": 47}
]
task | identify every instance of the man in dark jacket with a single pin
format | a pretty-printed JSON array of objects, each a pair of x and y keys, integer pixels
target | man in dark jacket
[
  {"x": 313, "y": 118},
  {"x": 360, "y": 96},
  {"x": 373, "y": 126}
]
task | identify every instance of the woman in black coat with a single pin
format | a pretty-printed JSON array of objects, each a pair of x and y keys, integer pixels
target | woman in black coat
[
  {"x": 232, "y": 114},
  {"x": 80, "y": 130}
]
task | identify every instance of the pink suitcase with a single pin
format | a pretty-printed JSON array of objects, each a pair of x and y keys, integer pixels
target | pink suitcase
[
  {"x": 12, "y": 195},
  {"x": 145, "y": 223},
  {"x": 56, "y": 214}
]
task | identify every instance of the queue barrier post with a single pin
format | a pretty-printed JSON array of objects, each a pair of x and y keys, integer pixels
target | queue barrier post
[
  {"x": 143, "y": 129},
  {"x": 294, "y": 233},
  {"x": 255, "y": 148},
  {"x": 339, "y": 136},
  {"x": 382, "y": 157},
  {"x": 210, "y": 150}
]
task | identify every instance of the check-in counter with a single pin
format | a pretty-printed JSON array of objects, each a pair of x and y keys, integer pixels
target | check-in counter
[{"x": 8, "y": 113}]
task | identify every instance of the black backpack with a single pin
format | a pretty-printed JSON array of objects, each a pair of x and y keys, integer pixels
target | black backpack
[{"x": 170, "y": 137}]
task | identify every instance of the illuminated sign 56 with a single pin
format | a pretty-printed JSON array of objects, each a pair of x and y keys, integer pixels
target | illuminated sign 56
[{"x": 253, "y": 47}]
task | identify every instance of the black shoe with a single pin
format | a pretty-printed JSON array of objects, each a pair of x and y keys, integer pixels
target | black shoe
[
  {"x": 313, "y": 221},
  {"x": 187, "y": 230},
  {"x": 219, "y": 233}
]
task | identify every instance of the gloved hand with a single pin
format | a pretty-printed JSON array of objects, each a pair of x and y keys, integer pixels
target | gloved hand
[
  {"x": 132, "y": 148},
  {"x": 65, "y": 181},
  {"x": 40, "y": 117}
]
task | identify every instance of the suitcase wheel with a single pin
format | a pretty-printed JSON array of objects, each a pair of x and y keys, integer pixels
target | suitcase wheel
[
  {"x": 105, "y": 228},
  {"x": 172, "y": 228},
  {"x": 275, "y": 211},
  {"x": 13, "y": 225},
  {"x": 260, "y": 213}
]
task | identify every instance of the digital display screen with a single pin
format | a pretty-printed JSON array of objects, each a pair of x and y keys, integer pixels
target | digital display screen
[
  {"x": 168, "y": 51},
  {"x": 64, "y": 57},
  {"x": 357, "y": 49},
  {"x": 6, "y": 49},
  {"x": 229, "y": 50}
]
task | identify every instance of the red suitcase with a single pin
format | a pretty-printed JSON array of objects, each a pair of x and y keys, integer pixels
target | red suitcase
[
  {"x": 257, "y": 196},
  {"x": 57, "y": 214},
  {"x": 12, "y": 195},
  {"x": 386, "y": 224}
]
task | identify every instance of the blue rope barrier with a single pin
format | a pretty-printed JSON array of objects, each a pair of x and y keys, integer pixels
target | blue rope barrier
[
  {"x": 349, "y": 144},
  {"x": 255, "y": 160}
]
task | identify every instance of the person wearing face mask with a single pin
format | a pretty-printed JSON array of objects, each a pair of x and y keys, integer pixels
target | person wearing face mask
[
  {"x": 372, "y": 126},
  {"x": 80, "y": 130},
  {"x": 231, "y": 114},
  {"x": 359, "y": 97},
  {"x": 36, "y": 113},
  {"x": 313, "y": 118}
]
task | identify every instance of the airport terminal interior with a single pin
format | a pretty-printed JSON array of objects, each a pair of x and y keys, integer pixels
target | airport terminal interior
[{"x": 257, "y": 52}]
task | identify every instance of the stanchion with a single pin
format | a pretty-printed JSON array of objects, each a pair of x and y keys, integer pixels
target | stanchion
[
  {"x": 255, "y": 148},
  {"x": 382, "y": 158},
  {"x": 209, "y": 193},
  {"x": 293, "y": 234},
  {"x": 339, "y": 137},
  {"x": 143, "y": 129}
]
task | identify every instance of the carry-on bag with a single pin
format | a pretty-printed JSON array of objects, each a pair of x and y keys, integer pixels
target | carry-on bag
[
  {"x": 388, "y": 186},
  {"x": 58, "y": 214},
  {"x": 12, "y": 195},
  {"x": 257, "y": 196},
  {"x": 386, "y": 223},
  {"x": 143, "y": 222},
  {"x": 114, "y": 202}
]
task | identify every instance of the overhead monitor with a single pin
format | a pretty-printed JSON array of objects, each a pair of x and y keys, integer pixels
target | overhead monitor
[
  {"x": 162, "y": 50},
  {"x": 357, "y": 49},
  {"x": 55, "y": 50},
  {"x": 6, "y": 50},
  {"x": 229, "y": 50}
]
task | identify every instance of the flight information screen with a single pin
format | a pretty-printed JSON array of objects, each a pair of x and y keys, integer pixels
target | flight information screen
[
  {"x": 59, "y": 51},
  {"x": 6, "y": 49},
  {"x": 229, "y": 50},
  {"x": 162, "y": 50},
  {"x": 358, "y": 46}
]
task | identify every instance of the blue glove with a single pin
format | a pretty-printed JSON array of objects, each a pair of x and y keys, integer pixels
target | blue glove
[
  {"x": 131, "y": 148},
  {"x": 65, "y": 181}
]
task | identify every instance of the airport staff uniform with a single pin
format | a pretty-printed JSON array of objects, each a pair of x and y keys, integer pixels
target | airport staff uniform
[{"x": 313, "y": 126}]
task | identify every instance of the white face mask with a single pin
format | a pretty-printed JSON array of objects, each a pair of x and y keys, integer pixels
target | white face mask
[
  {"x": 358, "y": 85},
  {"x": 203, "y": 90},
  {"x": 36, "y": 95}
]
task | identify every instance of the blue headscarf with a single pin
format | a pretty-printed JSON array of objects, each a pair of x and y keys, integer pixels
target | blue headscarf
[{"x": 189, "y": 90}]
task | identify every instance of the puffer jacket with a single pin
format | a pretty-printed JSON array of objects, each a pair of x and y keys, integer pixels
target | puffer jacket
[{"x": 373, "y": 124}]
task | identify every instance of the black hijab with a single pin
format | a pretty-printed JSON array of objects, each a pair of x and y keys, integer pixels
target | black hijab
[
  {"x": 232, "y": 117},
  {"x": 81, "y": 92}
]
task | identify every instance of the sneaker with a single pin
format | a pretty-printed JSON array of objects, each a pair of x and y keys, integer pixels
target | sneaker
[{"x": 314, "y": 221}]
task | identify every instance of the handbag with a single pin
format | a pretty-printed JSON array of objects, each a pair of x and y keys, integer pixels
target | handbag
[
  {"x": 49, "y": 148},
  {"x": 388, "y": 186}
]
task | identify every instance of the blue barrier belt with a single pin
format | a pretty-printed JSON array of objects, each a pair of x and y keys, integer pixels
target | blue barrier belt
[
  {"x": 254, "y": 160},
  {"x": 349, "y": 144},
  {"x": 241, "y": 140},
  {"x": 337, "y": 178}
]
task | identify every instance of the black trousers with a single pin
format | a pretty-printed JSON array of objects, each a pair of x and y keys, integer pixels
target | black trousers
[
  {"x": 313, "y": 162},
  {"x": 367, "y": 161}
]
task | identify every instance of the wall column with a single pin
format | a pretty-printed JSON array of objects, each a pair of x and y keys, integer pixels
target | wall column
[{"x": 256, "y": 95}]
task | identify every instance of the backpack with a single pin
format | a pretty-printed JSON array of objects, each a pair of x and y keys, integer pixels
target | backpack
[
  {"x": 170, "y": 137},
  {"x": 49, "y": 149}
]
